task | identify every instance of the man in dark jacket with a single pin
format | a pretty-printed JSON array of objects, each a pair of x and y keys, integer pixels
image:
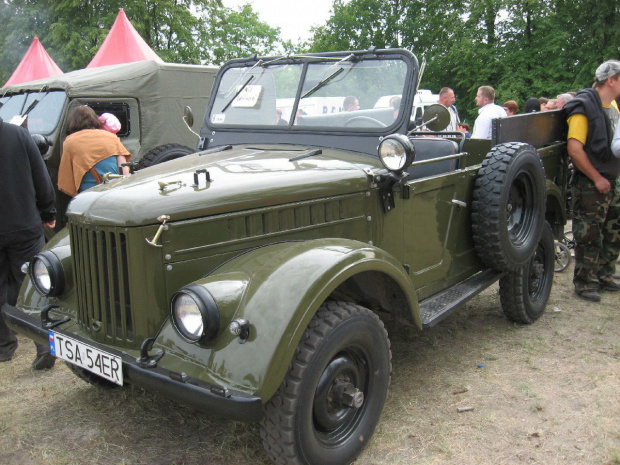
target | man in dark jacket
[
  {"x": 26, "y": 207},
  {"x": 592, "y": 115}
]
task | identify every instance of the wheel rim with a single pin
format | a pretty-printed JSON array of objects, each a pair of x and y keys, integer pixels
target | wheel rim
[
  {"x": 520, "y": 208},
  {"x": 537, "y": 276},
  {"x": 344, "y": 381}
]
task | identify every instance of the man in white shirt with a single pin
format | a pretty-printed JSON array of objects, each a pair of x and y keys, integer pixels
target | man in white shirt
[
  {"x": 447, "y": 99},
  {"x": 483, "y": 126}
]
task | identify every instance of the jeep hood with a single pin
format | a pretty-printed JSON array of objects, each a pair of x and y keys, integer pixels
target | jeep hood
[{"x": 242, "y": 178}]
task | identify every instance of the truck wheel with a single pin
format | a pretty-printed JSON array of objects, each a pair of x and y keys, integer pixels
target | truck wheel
[
  {"x": 91, "y": 378},
  {"x": 524, "y": 292},
  {"x": 330, "y": 401},
  {"x": 508, "y": 210},
  {"x": 163, "y": 153}
]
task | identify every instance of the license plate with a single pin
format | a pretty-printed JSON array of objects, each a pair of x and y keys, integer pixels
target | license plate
[{"x": 101, "y": 363}]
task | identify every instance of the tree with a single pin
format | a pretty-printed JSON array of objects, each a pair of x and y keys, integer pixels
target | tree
[
  {"x": 231, "y": 34},
  {"x": 523, "y": 48},
  {"x": 182, "y": 31}
]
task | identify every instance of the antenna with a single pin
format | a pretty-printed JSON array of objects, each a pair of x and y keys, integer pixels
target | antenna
[{"x": 421, "y": 73}]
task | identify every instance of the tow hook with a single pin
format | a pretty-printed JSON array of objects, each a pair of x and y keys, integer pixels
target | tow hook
[
  {"x": 49, "y": 323},
  {"x": 146, "y": 360}
]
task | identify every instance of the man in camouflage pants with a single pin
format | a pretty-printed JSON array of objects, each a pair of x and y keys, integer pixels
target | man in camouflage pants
[{"x": 592, "y": 117}]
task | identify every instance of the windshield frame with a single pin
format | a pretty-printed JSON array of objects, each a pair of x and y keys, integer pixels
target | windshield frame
[
  {"x": 45, "y": 108},
  {"x": 333, "y": 62}
]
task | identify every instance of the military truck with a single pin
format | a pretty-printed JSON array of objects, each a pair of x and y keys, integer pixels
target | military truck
[
  {"x": 147, "y": 97},
  {"x": 252, "y": 278}
]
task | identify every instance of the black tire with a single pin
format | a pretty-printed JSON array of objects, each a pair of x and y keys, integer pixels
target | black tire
[
  {"x": 524, "y": 292},
  {"x": 562, "y": 256},
  {"x": 508, "y": 210},
  {"x": 163, "y": 153},
  {"x": 91, "y": 378},
  {"x": 344, "y": 347}
]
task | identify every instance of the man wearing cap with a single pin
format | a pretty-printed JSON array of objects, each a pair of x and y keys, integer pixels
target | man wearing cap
[{"x": 595, "y": 188}]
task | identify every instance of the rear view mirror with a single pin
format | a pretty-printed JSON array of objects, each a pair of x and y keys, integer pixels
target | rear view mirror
[
  {"x": 188, "y": 116},
  {"x": 436, "y": 117},
  {"x": 188, "y": 119}
]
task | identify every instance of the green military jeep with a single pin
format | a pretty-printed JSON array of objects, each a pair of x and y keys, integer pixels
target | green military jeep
[
  {"x": 250, "y": 279},
  {"x": 147, "y": 97}
]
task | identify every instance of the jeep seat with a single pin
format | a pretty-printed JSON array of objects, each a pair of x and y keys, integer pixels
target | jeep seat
[{"x": 427, "y": 148}]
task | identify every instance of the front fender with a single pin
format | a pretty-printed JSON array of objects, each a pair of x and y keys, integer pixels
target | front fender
[{"x": 278, "y": 289}]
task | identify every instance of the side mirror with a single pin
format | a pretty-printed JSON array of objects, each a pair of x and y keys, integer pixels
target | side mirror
[
  {"x": 188, "y": 119},
  {"x": 43, "y": 144},
  {"x": 436, "y": 117},
  {"x": 188, "y": 116}
]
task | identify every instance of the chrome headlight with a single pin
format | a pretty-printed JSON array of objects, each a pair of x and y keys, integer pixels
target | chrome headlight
[
  {"x": 396, "y": 152},
  {"x": 194, "y": 314},
  {"x": 47, "y": 274}
]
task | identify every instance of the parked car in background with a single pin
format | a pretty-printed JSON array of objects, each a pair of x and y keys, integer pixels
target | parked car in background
[{"x": 147, "y": 97}]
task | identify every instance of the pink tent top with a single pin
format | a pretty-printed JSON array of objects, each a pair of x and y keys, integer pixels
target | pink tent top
[
  {"x": 36, "y": 64},
  {"x": 123, "y": 45}
]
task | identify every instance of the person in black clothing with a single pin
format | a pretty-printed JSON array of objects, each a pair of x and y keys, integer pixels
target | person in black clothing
[{"x": 27, "y": 206}]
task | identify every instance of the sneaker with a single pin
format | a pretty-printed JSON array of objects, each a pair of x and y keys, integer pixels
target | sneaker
[
  {"x": 43, "y": 362},
  {"x": 608, "y": 284},
  {"x": 590, "y": 295},
  {"x": 5, "y": 357}
]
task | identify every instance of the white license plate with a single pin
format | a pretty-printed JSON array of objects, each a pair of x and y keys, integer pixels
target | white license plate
[{"x": 101, "y": 363}]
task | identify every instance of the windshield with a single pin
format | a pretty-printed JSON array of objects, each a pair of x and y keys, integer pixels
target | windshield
[
  {"x": 45, "y": 115},
  {"x": 339, "y": 94}
]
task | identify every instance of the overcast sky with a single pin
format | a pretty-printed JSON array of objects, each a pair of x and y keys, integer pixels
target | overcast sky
[{"x": 293, "y": 17}]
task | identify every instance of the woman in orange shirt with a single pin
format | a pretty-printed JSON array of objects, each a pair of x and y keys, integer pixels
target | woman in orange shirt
[{"x": 88, "y": 153}]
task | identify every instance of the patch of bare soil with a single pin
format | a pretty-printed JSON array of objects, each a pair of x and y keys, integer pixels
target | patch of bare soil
[{"x": 474, "y": 390}]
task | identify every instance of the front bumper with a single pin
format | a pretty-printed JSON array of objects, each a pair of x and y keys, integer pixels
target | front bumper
[{"x": 209, "y": 398}]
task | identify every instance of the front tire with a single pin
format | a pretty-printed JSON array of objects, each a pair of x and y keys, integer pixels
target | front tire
[
  {"x": 525, "y": 291},
  {"x": 330, "y": 401}
]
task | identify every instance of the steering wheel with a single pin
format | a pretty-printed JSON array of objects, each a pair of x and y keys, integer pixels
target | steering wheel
[{"x": 367, "y": 119}]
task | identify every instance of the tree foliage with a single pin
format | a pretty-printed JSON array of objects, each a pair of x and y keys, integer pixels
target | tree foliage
[
  {"x": 523, "y": 48},
  {"x": 180, "y": 31}
]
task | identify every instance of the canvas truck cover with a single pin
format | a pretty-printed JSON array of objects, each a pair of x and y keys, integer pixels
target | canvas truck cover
[{"x": 161, "y": 88}]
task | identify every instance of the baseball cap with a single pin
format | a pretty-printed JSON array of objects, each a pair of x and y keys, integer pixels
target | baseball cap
[{"x": 608, "y": 69}]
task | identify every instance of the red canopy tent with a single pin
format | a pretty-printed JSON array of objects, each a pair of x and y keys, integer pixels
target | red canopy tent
[
  {"x": 123, "y": 45},
  {"x": 36, "y": 64}
]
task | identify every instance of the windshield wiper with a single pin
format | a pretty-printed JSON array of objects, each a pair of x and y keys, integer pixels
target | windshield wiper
[
  {"x": 237, "y": 93},
  {"x": 322, "y": 82}
]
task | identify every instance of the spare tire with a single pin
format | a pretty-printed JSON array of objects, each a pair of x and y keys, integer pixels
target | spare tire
[
  {"x": 163, "y": 153},
  {"x": 508, "y": 209}
]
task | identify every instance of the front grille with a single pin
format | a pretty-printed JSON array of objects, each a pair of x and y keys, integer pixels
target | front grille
[{"x": 102, "y": 281}]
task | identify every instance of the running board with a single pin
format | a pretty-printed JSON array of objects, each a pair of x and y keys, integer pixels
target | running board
[{"x": 436, "y": 308}]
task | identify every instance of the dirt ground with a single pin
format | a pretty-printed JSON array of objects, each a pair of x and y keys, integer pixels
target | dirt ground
[{"x": 541, "y": 394}]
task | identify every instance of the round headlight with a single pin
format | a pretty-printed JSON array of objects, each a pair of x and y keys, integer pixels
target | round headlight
[
  {"x": 396, "y": 152},
  {"x": 47, "y": 274},
  {"x": 194, "y": 314}
]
